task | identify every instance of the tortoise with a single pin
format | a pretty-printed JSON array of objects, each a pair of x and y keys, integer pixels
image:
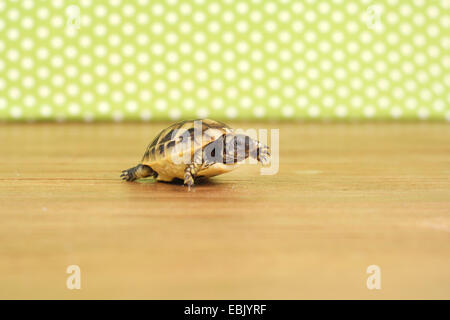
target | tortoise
[{"x": 192, "y": 149}]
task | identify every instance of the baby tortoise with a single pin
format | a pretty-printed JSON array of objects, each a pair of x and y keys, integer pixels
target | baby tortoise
[{"x": 192, "y": 149}]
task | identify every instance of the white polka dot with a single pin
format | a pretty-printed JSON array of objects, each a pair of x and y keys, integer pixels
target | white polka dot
[
  {"x": 46, "y": 111},
  {"x": 369, "y": 111},
  {"x": 74, "y": 109},
  {"x": 202, "y": 113},
  {"x": 396, "y": 112},
  {"x": 231, "y": 112},
  {"x": 145, "y": 95},
  {"x": 103, "y": 107},
  {"x": 16, "y": 112},
  {"x": 287, "y": 111},
  {"x": 146, "y": 115},
  {"x": 341, "y": 111},
  {"x": 423, "y": 113}
]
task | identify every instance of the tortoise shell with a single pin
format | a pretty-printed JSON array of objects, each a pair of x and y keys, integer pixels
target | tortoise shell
[
  {"x": 179, "y": 139},
  {"x": 174, "y": 137}
]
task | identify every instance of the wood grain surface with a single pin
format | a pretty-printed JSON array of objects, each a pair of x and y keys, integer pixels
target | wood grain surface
[{"x": 346, "y": 196}]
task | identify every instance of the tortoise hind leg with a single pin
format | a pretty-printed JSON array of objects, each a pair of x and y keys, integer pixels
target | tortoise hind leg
[{"x": 138, "y": 172}]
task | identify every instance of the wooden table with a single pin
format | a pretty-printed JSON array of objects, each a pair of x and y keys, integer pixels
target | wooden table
[{"x": 346, "y": 196}]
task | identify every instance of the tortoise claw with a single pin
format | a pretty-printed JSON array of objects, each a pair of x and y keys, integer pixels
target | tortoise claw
[
  {"x": 264, "y": 156},
  {"x": 126, "y": 176},
  {"x": 189, "y": 181}
]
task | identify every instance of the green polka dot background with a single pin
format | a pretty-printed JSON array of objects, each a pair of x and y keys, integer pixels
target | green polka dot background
[{"x": 150, "y": 60}]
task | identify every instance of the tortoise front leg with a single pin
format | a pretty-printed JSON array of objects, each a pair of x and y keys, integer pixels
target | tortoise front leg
[
  {"x": 138, "y": 172},
  {"x": 263, "y": 153},
  {"x": 191, "y": 170}
]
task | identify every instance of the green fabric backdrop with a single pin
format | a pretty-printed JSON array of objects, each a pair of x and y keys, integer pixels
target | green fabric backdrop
[{"x": 226, "y": 59}]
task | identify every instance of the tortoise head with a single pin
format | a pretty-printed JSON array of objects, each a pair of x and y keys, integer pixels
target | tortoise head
[{"x": 232, "y": 148}]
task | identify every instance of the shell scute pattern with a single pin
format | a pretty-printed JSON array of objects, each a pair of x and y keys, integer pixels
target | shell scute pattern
[{"x": 182, "y": 135}]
